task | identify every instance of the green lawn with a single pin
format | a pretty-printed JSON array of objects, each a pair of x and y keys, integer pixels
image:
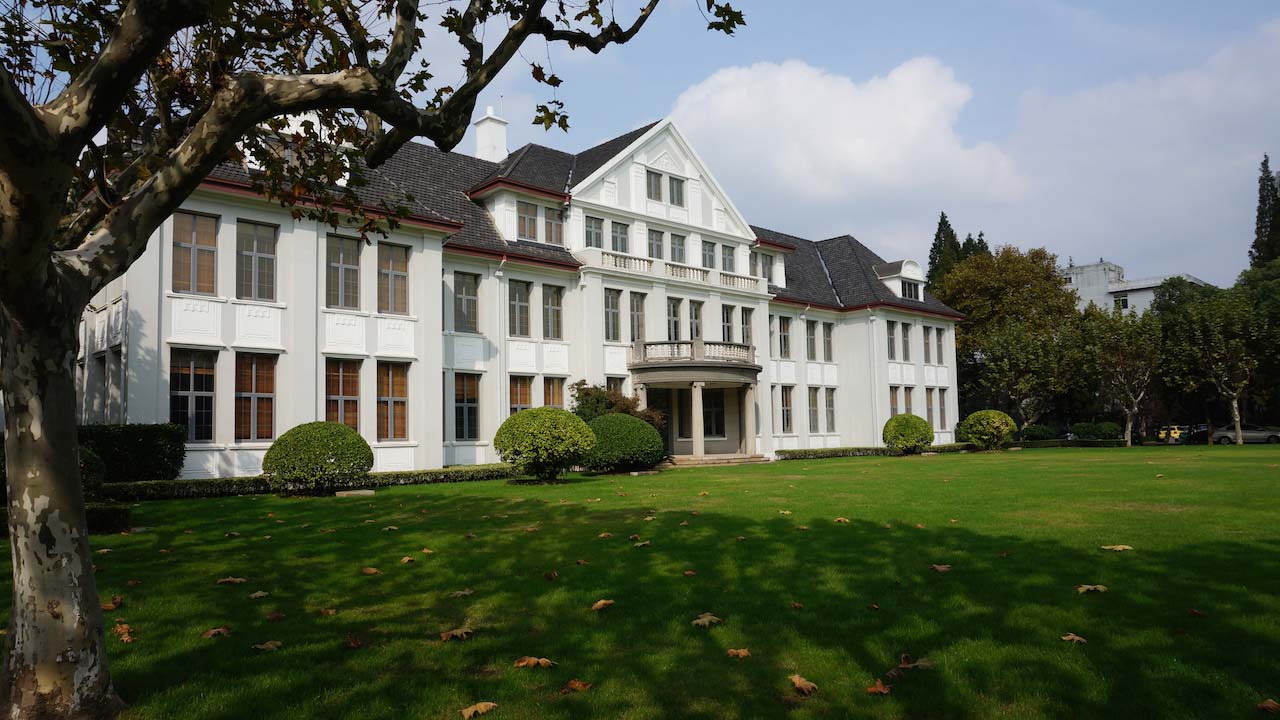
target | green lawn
[{"x": 1019, "y": 531}]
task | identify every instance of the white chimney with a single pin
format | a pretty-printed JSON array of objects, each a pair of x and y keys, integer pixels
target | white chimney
[{"x": 491, "y": 137}]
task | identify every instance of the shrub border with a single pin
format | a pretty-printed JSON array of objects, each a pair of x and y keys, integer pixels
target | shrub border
[{"x": 818, "y": 453}]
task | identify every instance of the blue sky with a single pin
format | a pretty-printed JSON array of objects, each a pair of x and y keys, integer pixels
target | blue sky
[{"x": 1126, "y": 129}]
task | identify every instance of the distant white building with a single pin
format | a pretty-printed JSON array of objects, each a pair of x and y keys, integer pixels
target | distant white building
[
  {"x": 1103, "y": 284},
  {"x": 513, "y": 276}
]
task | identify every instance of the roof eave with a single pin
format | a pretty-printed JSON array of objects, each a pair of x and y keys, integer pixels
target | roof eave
[{"x": 491, "y": 186}]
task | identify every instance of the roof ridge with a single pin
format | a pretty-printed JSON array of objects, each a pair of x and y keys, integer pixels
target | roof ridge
[{"x": 827, "y": 273}]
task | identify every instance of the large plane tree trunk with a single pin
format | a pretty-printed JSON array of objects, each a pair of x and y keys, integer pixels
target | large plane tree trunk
[{"x": 55, "y": 656}]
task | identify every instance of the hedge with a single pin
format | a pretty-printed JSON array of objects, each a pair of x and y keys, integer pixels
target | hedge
[
  {"x": 134, "y": 453},
  {"x": 818, "y": 453},
  {"x": 1029, "y": 444},
  {"x": 223, "y": 487},
  {"x": 623, "y": 442},
  {"x": 108, "y": 517}
]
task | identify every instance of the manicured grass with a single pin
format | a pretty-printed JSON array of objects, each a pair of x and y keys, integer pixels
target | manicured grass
[{"x": 1019, "y": 530}]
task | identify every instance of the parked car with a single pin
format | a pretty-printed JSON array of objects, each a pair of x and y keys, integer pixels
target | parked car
[
  {"x": 1173, "y": 434},
  {"x": 1252, "y": 434}
]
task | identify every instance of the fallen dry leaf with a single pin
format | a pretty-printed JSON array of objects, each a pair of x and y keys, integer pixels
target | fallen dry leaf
[
  {"x": 551, "y": 575},
  {"x": 1268, "y": 706},
  {"x": 470, "y": 536},
  {"x": 370, "y": 571},
  {"x": 797, "y": 605},
  {"x": 690, "y": 573},
  {"x": 533, "y": 662},
  {"x": 133, "y": 583},
  {"x": 114, "y": 604},
  {"x": 575, "y": 685},
  {"x": 1195, "y": 613},
  {"x": 123, "y": 631},
  {"x": 258, "y": 595},
  {"x": 275, "y": 616},
  {"x": 649, "y": 518},
  {"x": 802, "y": 527},
  {"x": 802, "y": 686},
  {"x": 232, "y": 581},
  {"x": 531, "y": 529},
  {"x": 1117, "y": 548},
  {"x": 633, "y": 537},
  {"x": 940, "y": 568},
  {"x": 740, "y": 538},
  {"x": 644, "y": 543},
  {"x": 461, "y": 593},
  {"x": 879, "y": 688},
  {"x": 268, "y": 646},
  {"x": 684, "y": 523},
  {"x": 601, "y": 604},
  {"x": 353, "y": 641},
  {"x": 233, "y": 534},
  {"x": 1091, "y": 588},
  {"x": 582, "y": 562},
  {"x": 842, "y": 520},
  {"x": 104, "y": 551},
  {"x": 704, "y": 493},
  {"x": 739, "y": 653},
  {"x": 477, "y": 710},
  {"x": 784, "y": 512},
  {"x": 873, "y": 606},
  {"x": 1074, "y": 638},
  {"x": 220, "y": 631},
  {"x": 461, "y": 633},
  {"x": 706, "y": 620},
  {"x": 326, "y": 612},
  {"x": 427, "y": 551},
  {"x": 906, "y": 662},
  {"x": 604, "y": 536},
  {"x": 406, "y": 560}
]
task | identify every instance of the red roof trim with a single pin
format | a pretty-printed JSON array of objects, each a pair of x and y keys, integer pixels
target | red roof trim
[
  {"x": 522, "y": 259},
  {"x": 772, "y": 244},
  {"x": 485, "y": 188},
  {"x": 245, "y": 190},
  {"x": 868, "y": 306}
]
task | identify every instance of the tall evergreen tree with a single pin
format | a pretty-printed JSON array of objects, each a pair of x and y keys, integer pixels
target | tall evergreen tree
[
  {"x": 1266, "y": 236},
  {"x": 971, "y": 246},
  {"x": 943, "y": 254}
]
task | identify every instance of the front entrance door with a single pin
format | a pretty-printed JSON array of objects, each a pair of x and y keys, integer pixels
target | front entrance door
[{"x": 660, "y": 400}]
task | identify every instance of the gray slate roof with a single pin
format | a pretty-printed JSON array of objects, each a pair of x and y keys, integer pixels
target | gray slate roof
[{"x": 556, "y": 170}]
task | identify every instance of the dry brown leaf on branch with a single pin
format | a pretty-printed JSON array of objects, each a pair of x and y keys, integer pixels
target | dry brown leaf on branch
[
  {"x": 739, "y": 653},
  {"x": 114, "y": 604},
  {"x": 370, "y": 571},
  {"x": 528, "y": 661},
  {"x": 1117, "y": 548},
  {"x": 802, "y": 686},
  {"x": 940, "y": 568},
  {"x": 1091, "y": 589},
  {"x": 706, "y": 620},
  {"x": 220, "y": 631},
  {"x": 232, "y": 581},
  {"x": 879, "y": 688},
  {"x": 574, "y": 686},
  {"x": 601, "y": 604},
  {"x": 269, "y": 646},
  {"x": 1074, "y": 638},
  {"x": 461, "y": 633},
  {"x": 477, "y": 710}
]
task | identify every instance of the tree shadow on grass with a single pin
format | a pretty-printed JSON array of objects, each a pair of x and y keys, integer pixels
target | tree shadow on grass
[{"x": 991, "y": 624}]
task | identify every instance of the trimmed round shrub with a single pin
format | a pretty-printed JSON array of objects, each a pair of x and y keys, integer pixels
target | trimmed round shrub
[
  {"x": 907, "y": 434},
  {"x": 624, "y": 442},
  {"x": 543, "y": 442},
  {"x": 1084, "y": 431},
  {"x": 315, "y": 457},
  {"x": 1107, "y": 430},
  {"x": 988, "y": 429},
  {"x": 1038, "y": 432}
]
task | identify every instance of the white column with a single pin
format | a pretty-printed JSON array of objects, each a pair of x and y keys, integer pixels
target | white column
[
  {"x": 695, "y": 419},
  {"x": 749, "y": 419},
  {"x": 642, "y": 395}
]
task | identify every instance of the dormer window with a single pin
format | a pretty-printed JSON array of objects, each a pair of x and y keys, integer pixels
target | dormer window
[
  {"x": 910, "y": 290},
  {"x": 526, "y": 221},
  {"x": 555, "y": 226},
  {"x": 903, "y": 277},
  {"x": 676, "y": 191},
  {"x": 653, "y": 185}
]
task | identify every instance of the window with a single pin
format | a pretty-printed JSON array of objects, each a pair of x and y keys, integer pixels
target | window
[
  {"x": 393, "y": 401},
  {"x": 828, "y": 329},
  {"x": 518, "y": 308},
  {"x": 393, "y": 279},
  {"x": 831, "y": 410},
  {"x": 942, "y": 409},
  {"x": 655, "y": 244},
  {"x": 928, "y": 405},
  {"x": 612, "y": 320},
  {"x": 910, "y": 290},
  {"x": 553, "y": 392},
  {"x": 814, "y": 399},
  {"x": 552, "y": 312},
  {"x": 675, "y": 187},
  {"x": 191, "y": 375},
  {"x": 521, "y": 393},
  {"x": 342, "y": 392},
  {"x": 466, "y": 406},
  {"x": 255, "y": 396},
  {"x": 677, "y": 249},
  {"x": 255, "y": 261},
  {"x": 673, "y": 319},
  {"x": 891, "y": 330},
  {"x": 811, "y": 340},
  {"x": 554, "y": 226},
  {"x": 466, "y": 302},
  {"x": 637, "y": 316},
  {"x": 746, "y": 326},
  {"x": 195, "y": 254},
  {"x": 621, "y": 240},
  {"x": 727, "y": 262},
  {"x": 342, "y": 280},
  {"x": 595, "y": 232},
  {"x": 766, "y": 266},
  {"x": 928, "y": 340},
  {"x": 526, "y": 221},
  {"x": 753, "y": 264},
  {"x": 712, "y": 413},
  {"x": 893, "y": 400},
  {"x": 937, "y": 335},
  {"x": 1122, "y": 301},
  {"x": 653, "y": 185},
  {"x": 784, "y": 337},
  {"x": 726, "y": 323},
  {"x": 906, "y": 342},
  {"x": 613, "y": 384},
  {"x": 708, "y": 255},
  {"x": 695, "y": 319},
  {"x": 786, "y": 408},
  {"x": 907, "y": 392}
]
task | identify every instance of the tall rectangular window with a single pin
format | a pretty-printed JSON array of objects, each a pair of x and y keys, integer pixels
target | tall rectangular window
[
  {"x": 831, "y": 410},
  {"x": 393, "y": 401},
  {"x": 784, "y": 337},
  {"x": 621, "y": 238},
  {"x": 526, "y": 221},
  {"x": 342, "y": 392},
  {"x": 393, "y": 279},
  {"x": 695, "y": 319},
  {"x": 521, "y": 387},
  {"x": 553, "y": 392},
  {"x": 637, "y": 316},
  {"x": 712, "y": 413},
  {"x": 255, "y": 396},
  {"x": 708, "y": 255},
  {"x": 727, "y": 261},
  {"x": 466, "y": 302},
  {"x": 753, "y": 264},
  {"x": 653, "y": 185},
  {"x": 195, "y": 254},
  {"x": 726, "y": 323},
  {"x": 466, "y": 406},
  {"x": 928, "y": 340},
  {"x": 673, "y": 319},
  {"x": 811, "y": 340},
  {"x": 928, "y": 406},
  {"x": 677, "y": 249},
  {"x": 907, "y": 392},
  {"x": 906, "y": 342},
  {"x": 552, "y": 312},
  {"x": 342, "y": 279},
  {"x": 814, "y": 400},
  {"x": 255, "y": 261},
  {"x": 554, "y": 225},
  {"x": 937, "y": 335},
  {"x": 746, "y": 326},
  {"x": 787, "y": 423},
  {"x": 942, "y": 409},
  {"x": 594, "y": 232},
  {"x": 613, "y": 384},
  {"x": 891, "y": 330},
  {"x": 191, "y": 376},
  {"x": 612, "y": 315},
  {"x": 518, "y": 308},
  {"x": 655, "y": 244},
  {"x": 676, "y": 188},
  {"x": 910, "y": 290},
  {"x": 828, "y": 355},
  {"x": 893, "y": 400},
  {"x": 766, "y": 267}
]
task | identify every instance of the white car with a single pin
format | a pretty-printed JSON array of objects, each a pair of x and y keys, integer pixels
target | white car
[{"x": 1252, "y": 434}]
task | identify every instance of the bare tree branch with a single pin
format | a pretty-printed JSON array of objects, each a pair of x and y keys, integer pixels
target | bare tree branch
[
  {"x": 21, "y": 132},
  {"x": 611, "y": 34},
  {"x": 404, "y": 42}
]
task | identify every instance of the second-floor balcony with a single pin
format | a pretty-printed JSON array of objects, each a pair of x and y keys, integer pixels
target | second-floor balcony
[
  {"x": 692, "y": 360},
  {"x": 670, "y": 269}
]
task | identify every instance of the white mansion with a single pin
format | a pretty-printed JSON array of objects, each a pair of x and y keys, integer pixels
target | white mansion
[{"x": 512, "y": 277}]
